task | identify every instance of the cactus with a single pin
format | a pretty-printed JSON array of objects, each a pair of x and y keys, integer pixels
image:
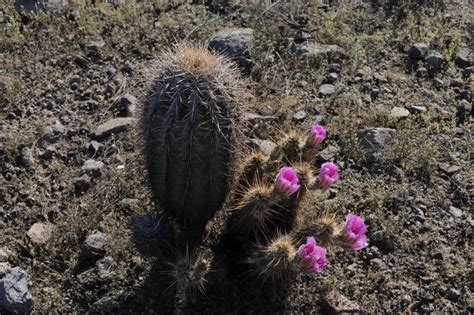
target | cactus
[{"x": 190, "y": 125}]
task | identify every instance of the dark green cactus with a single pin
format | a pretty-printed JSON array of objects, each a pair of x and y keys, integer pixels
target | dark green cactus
[{"x": 190, "y": 123}]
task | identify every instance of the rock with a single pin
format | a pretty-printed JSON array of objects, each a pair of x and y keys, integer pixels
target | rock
[
  {"x": 266, "y": 146},
  {"x": 463, "y": 57},
  {"x": 438, "y": 83},
  {"x": 454, "y": 294},
  {"x": 93, "y": 167},
  {"x": 331, "y": 77},
  {"x": 418, "y": 51},
  {"x": 375, "y": 141},
  {"x": 35, "y": 5},
  {"x": 48, "y": 153},
  {"x": 435, "y": 60},
  {"x": 377, "y": 236},
  {"x": 40, "y": 233},
  {"x": 448, "y": 169},
  {"x": 93, "y": 148},
  {"x": 52, "y": 133},
  {"x": 253, "y": 119},
  {"x": 301, "y": 37},
  {"x": 14, "y": 294},
  {"x": 300, "y": 115},
  {"x": 326, "y": 90},
  {"x": 421, "y": 72},
  {"x": 418, "y": 109},
  {"x": 329, "y": 153},
  {"x": 336, "y": 303},
  {"x": 95, "y": 242},
  {"x": 317, "y": 51},
  {"x": 237, "y": 43},
  {"x": 104, "y": 265},
  {"x": 26, "y": 157},
  {"x": 111, "y": 71},
  {"x": 457, "y": 213},
  {"x": 467, "y": 72},
  {"x": 4, "y": 254},
  {"x": 94, "y": 47},
  {"x": 106, "y": 305},
  {"x": 126, "y": 105},
  {"x": 399, "y": 112},
  {"x": 437, "y": 254},
  {"x": 377, "y": 263},
  {"x": 375, "y": 93},
  {"x": 112, "y": 126}
]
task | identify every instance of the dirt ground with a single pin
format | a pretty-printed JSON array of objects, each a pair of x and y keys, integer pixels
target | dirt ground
[{"x": 64, "y": 73}]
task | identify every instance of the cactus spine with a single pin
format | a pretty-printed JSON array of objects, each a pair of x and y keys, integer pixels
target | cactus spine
[{"x": 190, "y": 124}]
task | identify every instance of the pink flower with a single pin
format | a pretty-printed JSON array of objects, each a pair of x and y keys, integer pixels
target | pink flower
[
  {"x": 313, "y": 257},
  {"x": 354, "y": 233},
  {"x": 316, "y": 135},
  {"x": 328, "y": 175},
  {"x": 286, "y": 181}
]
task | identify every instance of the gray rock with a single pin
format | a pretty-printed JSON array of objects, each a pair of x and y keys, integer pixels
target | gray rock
[
  {"x": 448, "y": 169},
  {"x": 300, "y": 115},
  {"x": 467, "y": 72},
  {"x": 14, "y": 294},
  {"x": 26, "y": 157},
  {"x": 126, "y": 105},
  {"x": 95, "y": 242},
  {"x": 48, "y": 153},
  {"x": 40, "y": 233},
  {"x": 435, "y": 60},
  {"x": 418, "y": 51},
  {"x": 418, "y": 109},
  {"x": 104, "y": 265},
  {"x": 421, "y": 72},
  {"x": 331, "y": 77},
  {"x": 326, "y": 90},
  {"x": 35, "y": 5},
  {"x": 112, "y": 126},
  {"x": 463, "y": 57},
  {"x": 438, "y": 83},
  {"x": 93, "y": 148},
  {"x": 4, "y": 254},
  {"x": 106, "y": 305},
  {"x": 399, "y": 112},
  {"x": 4, "y": 267},
  {"x": 237, "y": 43},
  {"x": 375, "y": 141},
  {"x": 336, "y": 303},
  {"x": 266, "y": 146},
  {"x": 317, "y": 51},
  {"x": 52, "y": 133},
  {"x": 329, "y": 153},
  {"x": 456, "y": 212},
  {"x": 93, "y": 167}
]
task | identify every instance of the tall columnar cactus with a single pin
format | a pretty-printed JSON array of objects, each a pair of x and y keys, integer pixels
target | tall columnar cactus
[{"x": 190, "y": 124}]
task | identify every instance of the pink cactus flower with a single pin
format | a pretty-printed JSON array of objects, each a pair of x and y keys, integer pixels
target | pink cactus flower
[
  {"x": 316, "y": 135},
  {"x": 354, "y": 233},
  {"x": 328, "y": 175},
  {"x": 313, "y": 257},
  {"x": 286, "y": 181}
]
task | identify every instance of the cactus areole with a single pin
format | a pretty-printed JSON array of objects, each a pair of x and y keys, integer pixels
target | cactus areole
[{"x": 189, "y": 122}]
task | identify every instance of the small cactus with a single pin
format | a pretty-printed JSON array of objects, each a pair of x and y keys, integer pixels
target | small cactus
[{"x": 190, "y": 125}]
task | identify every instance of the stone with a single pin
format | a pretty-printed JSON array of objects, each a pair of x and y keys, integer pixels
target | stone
[
  {"x": 104, "y": 265},
  {"x": 467, "y": 72},
  {"x": 328, "y": 153},
  {"x": 95, "y": 242},
  {"x": 26, "y": 157},
  {"x": 336, "y": 303},
  {"x": 377, "y": 236},
  {"x": 435, "y": 60},
  {"x": 448, "y": 169},
  {"x": 300, "y": 115},
  {"x": 14, "y": 294},
  {"x": 418, "y": 51},
  {"x": 110, "y": 71},
  {"x": 266, "y": 146},
  {"x": 326, "y": 90},
  {"x": 421, "y": 72},
  {"x": 126, "y": 105},
  {"x": 4, "y": 254},
  {"x": 438, "y": 83},
  {"x": 375, "y": 141},
  {"x": 418, "y": 109},
  {"x": 456, "y": 212},
  {"x": 112, "y": 126},
  {"x": 40, "y": 233},
  {"x": 48, "y": 153},
  {"x": 93, "y": 167},
  {"x": 317, "y": 51},
  {"x": 35, "y": 5},
  {"x": 331, "y": 77},
  {"x": 106, "y": 305},
  {"x": 93, "y": 148},
  {"x": 463, "y": 57},
  {"x": 236, "y": 43},
  {"x": 399, "y": 112},
  {"x": 52, "y": 133}
]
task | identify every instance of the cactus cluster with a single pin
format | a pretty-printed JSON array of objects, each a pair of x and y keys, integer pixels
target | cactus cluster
[{"x": 251, "y": 210}]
